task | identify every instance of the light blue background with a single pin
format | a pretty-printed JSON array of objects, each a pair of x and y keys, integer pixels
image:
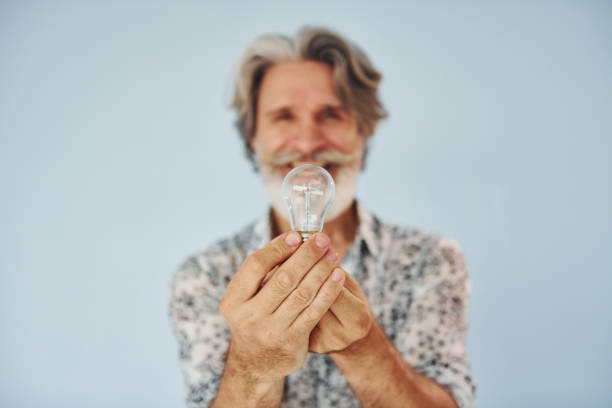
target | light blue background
[{"x": 118, "y": 158}]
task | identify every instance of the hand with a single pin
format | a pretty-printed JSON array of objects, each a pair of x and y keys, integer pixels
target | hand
[
  {"x": 348, "y": 321},
  {"x": 271, "y": 325}
]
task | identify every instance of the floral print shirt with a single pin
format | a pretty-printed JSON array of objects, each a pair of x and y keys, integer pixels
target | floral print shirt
[{"x": 417, "y": 285}]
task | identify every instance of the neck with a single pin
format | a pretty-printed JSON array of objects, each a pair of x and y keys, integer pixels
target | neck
[{"x": 342, "y": 230}]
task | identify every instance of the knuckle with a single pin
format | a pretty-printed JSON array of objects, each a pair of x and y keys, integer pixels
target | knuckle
[
  {"x": 302, "y": 294},
  {"x": 364, "y": 323},
  {"x": 329, "y": 295},
  {"x": 227, "y": 309},
  {"x": 256, "y": 261},
  {"x": 284, "y": 281},
  {"x": 276, "y": 251},
  {"x": 314, "y": 312}
]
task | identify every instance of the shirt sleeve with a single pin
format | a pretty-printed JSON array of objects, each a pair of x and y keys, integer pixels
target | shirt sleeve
[
  {"x": 199, "y": 328},
  {"x": 433, "y": 336}
]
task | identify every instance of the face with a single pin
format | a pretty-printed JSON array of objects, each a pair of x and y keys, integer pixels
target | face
[{"x": 300, "y": 119}]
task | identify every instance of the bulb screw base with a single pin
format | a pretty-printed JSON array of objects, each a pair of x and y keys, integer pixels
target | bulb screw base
[{"x": 305, "y": 235}]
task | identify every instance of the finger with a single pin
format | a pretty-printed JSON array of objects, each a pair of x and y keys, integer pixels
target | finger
[
  {"x": 329, "y": 321},
  {"x": 353, "y": 287},
  {"x": 318, "y": 343},
  {"x": 306, "y": 291},
  {"x": 328, "y": 293},
  {"x": 345, "y": 306},
  {"x": 290, "y": 273},
  {"x": 247, "y": 279}
]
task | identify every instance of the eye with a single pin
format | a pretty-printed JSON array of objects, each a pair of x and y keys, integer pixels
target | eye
[
  {"x": 331, "y": 115},
  {"x": 283, "y": 116}
]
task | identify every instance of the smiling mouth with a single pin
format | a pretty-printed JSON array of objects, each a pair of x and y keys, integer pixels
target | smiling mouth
[
  {"x": 299, "y": 163},
  {"x": 330, "y": 167}
]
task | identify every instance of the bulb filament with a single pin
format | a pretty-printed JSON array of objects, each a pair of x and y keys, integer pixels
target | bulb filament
[{"x": 308, "y": 190}]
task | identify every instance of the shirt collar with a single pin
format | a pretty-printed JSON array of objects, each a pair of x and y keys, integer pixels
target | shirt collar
[{"x": 368, "y": 229}]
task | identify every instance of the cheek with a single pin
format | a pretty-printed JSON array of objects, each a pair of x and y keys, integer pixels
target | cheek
[
  {"x": 273, "y": 139},
  {"x": 342, "y": 136}
]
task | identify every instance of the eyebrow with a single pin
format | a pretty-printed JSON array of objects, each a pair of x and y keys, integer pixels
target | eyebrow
[
  {"x": 288, "y": 108},
  {"x": 276, "y": 111}
]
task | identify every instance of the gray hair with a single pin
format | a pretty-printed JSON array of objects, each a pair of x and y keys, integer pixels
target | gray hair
[{"x": 355, "y": 79}]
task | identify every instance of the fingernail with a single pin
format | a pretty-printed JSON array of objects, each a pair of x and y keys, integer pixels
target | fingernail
[
  {"x": 332, "y": 255},
  {"x": 292, "y": 239},
  {"x": 321, "y": 240},
  {"x": 337, "y": 275}
]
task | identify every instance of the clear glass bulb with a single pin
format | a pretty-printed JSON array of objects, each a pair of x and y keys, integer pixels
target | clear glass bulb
[{"x": 308, "y": 191}]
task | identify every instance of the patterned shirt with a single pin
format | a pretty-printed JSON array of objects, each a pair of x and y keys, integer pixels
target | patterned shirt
[{"x": 417, "y": 285}]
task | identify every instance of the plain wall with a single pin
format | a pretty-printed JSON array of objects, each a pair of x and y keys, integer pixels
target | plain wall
[{"x": 118, "y": 159}]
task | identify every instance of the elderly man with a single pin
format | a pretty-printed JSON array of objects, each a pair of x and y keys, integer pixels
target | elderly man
[{"x": 365, "y": 313}]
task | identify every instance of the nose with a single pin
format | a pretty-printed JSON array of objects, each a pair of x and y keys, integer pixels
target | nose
[{"x": 309, "y": 139}]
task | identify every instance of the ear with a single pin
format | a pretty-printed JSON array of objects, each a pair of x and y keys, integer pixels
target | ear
[{"x": 253, "y": 142}]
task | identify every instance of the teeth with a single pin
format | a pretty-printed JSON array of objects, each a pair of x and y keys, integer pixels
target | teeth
[{"x": 299, "y": 163}]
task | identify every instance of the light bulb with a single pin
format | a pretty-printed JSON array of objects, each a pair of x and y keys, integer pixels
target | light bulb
[{"x": 308, "y": 191}]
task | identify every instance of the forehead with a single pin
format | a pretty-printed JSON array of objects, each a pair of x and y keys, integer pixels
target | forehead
[{"x": 297, "y": 83}]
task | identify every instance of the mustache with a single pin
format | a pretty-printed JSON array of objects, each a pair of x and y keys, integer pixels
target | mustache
[{"x": 325, "y": 157}]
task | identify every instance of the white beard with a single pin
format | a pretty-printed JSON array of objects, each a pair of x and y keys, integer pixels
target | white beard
[{"x": 345, "y": 181}]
